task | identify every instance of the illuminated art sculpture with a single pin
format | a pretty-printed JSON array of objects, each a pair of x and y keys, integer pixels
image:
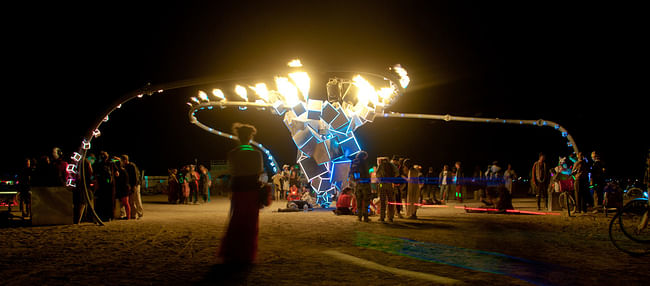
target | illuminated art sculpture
[{"x": 322, "y": 129}]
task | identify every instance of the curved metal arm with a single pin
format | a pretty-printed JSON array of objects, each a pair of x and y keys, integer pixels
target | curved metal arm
[
  {"x": 447, "y": 117},
  {"x": 201, "y": 106}
]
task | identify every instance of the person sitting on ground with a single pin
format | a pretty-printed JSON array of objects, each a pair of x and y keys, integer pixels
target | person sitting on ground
[
  {"x": 344, "y": 203},
  {"x": 307, "y": 197},
  {"x": 294, "y": 195}
]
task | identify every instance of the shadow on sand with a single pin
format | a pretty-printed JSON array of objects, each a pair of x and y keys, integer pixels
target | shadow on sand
[{"x": 227, "y": 274}]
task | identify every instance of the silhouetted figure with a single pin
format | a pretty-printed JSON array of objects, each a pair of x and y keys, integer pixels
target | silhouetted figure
[
  {"x": 123, "y": 189},
  {"x": 597, "y": 179},
  {"x": 386, "y": 175},
  {"x": 539, "y": 180},
  {"x": 361, "y": 178},
  {"x": 105, "y": 194},
  {"x": 581, "y": 183}
]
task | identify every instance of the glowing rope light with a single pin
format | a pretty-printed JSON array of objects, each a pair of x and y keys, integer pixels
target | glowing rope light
[
  {"x": 302, "y": 82},
  {"x": 288, "y": 91},
  {"x": 203, "y": 96},
  {"x": 241, "y": 91}
]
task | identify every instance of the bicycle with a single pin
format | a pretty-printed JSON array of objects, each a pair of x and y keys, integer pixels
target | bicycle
[{"x": 628, "y": 229}]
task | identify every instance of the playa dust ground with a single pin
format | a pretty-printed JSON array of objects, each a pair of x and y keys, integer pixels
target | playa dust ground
[{"x": 176, "y": 245}]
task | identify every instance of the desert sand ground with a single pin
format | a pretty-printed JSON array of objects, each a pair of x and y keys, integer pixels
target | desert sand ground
[{"x": 176, "y": 245}]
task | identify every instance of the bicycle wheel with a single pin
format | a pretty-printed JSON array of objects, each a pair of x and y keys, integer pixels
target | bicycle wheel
[
  {"x": 624, "y": 243},
  {"x": 630, "y": 220},
  {"x": 566, "y": 203}
]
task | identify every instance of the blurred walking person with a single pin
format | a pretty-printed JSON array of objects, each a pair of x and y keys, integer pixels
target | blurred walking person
[
  {"x": 539, "y": 180},
  {"x": 239, "y": 245}
]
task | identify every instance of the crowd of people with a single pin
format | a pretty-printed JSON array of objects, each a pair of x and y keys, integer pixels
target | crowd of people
[
  {"x": 113, "y": 183},
  {"x": 188, "y": 185}
]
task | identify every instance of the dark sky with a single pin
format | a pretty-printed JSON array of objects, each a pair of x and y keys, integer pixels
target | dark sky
[{"x": 576, "y": 64}]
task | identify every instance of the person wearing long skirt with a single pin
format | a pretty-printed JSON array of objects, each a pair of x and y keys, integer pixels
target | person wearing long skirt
[
  {"x": 239, "y": 245},
  {"x": 413, "y": 190}
]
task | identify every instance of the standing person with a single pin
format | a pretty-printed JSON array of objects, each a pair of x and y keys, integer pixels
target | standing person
[
  {"x": 597, "y": 179},
  {"x": 444, "y": 178},
  {"x": 294, "y": 178},
  {"x": 183, "y": 180},
  {"x": 135, "y": 200},
  {"x": 581, "y": 184},
  {"x": 361, "y": 177},
  {"x": 239, "y": 245},
  {"x": 286, "y": 172},
  {"x": 24, "y": 187},
  {"x": 478, "y": 181},
  {"x": 539, "y": 180},
  {"x": 204, "y": 183},
  {"x": 123, "y": 188},
  {"x": 428, "y": 188},
  {"x": 458, "y": 181},
  {"x": 193, "y": 181},
  {"x": 105, "y": 193},
  {"x": 79, "y": 199},
  {"x": 508, "y": 176},
  {"x": 386, "y": 175},
  {"x": 397, "y": 185},
  {"x": 60, "y": 167},
  {"x": 173, "y": 187},
  {"x": 413, "y": 190},
  {"x": 277, "y": 184}
]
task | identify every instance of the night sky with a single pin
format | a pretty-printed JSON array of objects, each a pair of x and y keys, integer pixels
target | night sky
[{"x": 575, "y": 64}]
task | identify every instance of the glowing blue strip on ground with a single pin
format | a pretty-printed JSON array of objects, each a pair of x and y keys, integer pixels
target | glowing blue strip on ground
[{"x": 485, "y": 261}]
